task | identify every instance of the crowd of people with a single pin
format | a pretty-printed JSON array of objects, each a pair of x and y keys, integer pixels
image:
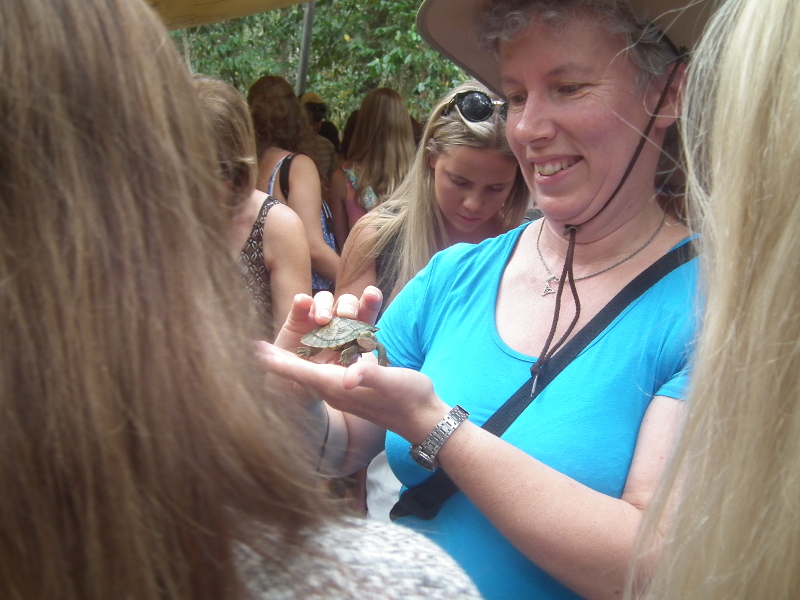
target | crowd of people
[{"x": 600, "y": 402}]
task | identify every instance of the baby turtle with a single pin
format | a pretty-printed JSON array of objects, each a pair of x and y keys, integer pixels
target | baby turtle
[{"x": 347, "y": 335}]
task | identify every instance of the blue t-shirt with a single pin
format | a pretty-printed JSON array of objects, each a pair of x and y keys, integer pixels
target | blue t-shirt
[{"x": 584, "y": 424}]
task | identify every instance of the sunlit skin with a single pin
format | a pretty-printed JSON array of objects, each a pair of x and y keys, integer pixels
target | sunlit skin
[
  {"x": 471, "y": 186},
  {"x": 565, "y": 124}
]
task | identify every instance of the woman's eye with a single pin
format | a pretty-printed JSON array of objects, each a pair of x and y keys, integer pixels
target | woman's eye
[
  {"x": 516, "y": 100},
  {"x": 570, "y": 88}
]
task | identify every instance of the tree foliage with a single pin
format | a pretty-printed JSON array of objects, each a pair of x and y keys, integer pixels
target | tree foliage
[{"x": 357, "y": 45}]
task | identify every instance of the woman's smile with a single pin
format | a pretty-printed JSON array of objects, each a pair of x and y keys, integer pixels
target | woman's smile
[{"x": 547, "y": 168}]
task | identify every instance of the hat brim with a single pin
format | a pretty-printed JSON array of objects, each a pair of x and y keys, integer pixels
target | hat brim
[{"x": 447, "y": 26}]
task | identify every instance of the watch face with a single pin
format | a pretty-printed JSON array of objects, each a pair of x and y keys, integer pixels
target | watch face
[{"x": 422, "y": 459}]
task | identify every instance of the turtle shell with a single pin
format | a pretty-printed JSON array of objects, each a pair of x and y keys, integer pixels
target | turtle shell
[{"x": 337, "y": 333}]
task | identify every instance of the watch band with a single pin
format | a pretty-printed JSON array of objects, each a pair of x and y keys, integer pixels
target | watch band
[{"x": 425, "y": 453}]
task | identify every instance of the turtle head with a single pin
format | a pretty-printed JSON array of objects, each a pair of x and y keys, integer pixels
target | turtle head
[{"x": 367, "y": 341}]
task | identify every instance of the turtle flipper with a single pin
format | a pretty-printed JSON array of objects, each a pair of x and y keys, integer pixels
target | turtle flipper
[
  {"x": 383, "y": 360},
  {"x": 307, "y": 352},
  {"x": 348, "y": 354}
]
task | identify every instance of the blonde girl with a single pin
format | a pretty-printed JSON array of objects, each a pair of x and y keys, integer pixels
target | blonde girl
[{"x": 464, "y": 186}]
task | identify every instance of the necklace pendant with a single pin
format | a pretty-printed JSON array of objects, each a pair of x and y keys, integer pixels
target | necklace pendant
[{"x": 547, "y": 288}]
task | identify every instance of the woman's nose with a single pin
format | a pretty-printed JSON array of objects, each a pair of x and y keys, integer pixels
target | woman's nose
[
  {"x": 472, "y": 202},
  {"x": 532, "y": 124}
]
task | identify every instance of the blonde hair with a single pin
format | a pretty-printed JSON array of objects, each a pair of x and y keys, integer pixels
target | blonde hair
[
  {"x": 410, "y": 229},
  {"x": 383, "y": 142},
  {"x": 735, "y": 532},
  {"x": 228, "y": 118},
  {"x": 139, "y": 447}
]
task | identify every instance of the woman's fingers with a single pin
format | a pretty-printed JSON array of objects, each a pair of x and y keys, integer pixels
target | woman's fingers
[
  {"x": 322, "y": 308},
  {"x": 401, "y": 400},
  {"x": 364, "y": 309},
  {"x": 370, "y": 304},
  {"x": 298, "y": 322},
  {"x": 347, "y": 307},
  {"x": 307, "y": 313},
  {"x": 320, "y": 378}
]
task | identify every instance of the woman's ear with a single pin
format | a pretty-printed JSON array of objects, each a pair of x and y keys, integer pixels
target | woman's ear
[
  {"x": 432, "y": 158},
  {"x": 673, "y": 101}
]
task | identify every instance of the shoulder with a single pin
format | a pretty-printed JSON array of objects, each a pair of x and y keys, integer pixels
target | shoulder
[
  {"x": 679, "y": 286},
  {"x": 359, "y": 558},
  {"x": 467, "y": 257},
  {"x": 303, "y": 162},
  {"x": 282, "y": 221}
]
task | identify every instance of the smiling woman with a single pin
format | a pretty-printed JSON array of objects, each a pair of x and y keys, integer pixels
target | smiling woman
[{"x": 564, "y": 117}]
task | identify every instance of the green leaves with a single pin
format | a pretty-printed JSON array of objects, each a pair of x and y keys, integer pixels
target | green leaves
[{"x": 357, "y": 45}]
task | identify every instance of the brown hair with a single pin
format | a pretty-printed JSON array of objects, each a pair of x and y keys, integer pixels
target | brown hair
[
  {"x": 139, "y": 446},
  {"x": 279, "y": 118},
  {"x": 228, "y": 118}
]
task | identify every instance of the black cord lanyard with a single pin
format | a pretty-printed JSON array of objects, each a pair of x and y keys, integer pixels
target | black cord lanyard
[{"x": 572, "y": 230}]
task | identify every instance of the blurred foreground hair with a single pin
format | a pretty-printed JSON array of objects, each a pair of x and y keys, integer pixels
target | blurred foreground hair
[
  {"x": 734, "y": 508},
  {"x": 139, "y": 447}
]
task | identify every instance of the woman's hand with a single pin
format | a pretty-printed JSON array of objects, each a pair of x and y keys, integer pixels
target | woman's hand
[
  {"x": 401, "y": 400},
  {"x": 308, "y": 313}
]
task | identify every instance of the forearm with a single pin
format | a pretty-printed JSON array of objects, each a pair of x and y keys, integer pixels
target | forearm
[
  {"x": 324, "y": 259},
  {"x": 581, "y": 537}
]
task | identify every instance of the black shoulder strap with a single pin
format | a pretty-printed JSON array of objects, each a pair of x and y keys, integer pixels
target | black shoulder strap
[
  {"x": 283, "y": 175},
  {"x": 425, "y": 500}
]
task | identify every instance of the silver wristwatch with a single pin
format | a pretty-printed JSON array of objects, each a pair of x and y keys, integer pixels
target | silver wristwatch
[{"x": 425, "y": 454}]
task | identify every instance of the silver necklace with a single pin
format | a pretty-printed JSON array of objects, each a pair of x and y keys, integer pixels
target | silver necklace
[{"x": 551, "y": 277}]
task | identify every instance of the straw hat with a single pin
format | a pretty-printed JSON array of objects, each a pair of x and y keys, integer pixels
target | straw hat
[{"x": 447, "y": 26}]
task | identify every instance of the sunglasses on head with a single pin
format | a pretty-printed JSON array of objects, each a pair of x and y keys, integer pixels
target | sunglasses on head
[{"x": 476, "y": 106}]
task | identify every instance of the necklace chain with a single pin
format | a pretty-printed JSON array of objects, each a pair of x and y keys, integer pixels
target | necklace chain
[{"x": 551, "y": 277}]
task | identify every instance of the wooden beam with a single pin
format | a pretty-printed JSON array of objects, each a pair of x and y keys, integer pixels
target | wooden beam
[{"x": 178, "y": 14}]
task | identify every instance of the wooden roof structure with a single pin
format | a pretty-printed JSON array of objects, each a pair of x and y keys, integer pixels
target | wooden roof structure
[{"x": 178, "y": 14}]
